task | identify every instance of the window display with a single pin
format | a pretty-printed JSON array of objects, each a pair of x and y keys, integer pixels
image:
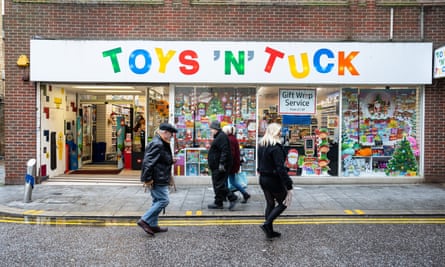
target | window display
[
  {"x": 364, "y": 132},
  {"x": 375, "y": 123},
  {"x": 196, "y": 107},
  {"x": 310, "y": 139}
]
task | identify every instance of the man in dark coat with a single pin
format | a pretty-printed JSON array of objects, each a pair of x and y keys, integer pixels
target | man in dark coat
[
  {"x": 220, "y": 161},
  {"x": 156, "y": 174}
]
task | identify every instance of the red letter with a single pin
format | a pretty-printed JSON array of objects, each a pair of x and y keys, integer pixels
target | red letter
[
  {"x": 186, "y": 58},
  {"x": 273, "y": 55}
]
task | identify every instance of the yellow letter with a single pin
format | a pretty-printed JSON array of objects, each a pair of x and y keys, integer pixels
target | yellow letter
[
  {"x": 163, "y": 60},
  {"x": 293, "y": 68}
]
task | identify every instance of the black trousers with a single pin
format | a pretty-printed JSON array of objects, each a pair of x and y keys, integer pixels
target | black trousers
[
  {"x": 219, "y": 181},
  {"x": 275, "y": 193}
]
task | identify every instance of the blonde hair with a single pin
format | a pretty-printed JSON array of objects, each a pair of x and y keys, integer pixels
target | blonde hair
[
  {"x": 228, "y": 129},
  {"x": 272, "y": 135}
]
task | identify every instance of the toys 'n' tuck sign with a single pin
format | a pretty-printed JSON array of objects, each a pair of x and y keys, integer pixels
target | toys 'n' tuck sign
[{"x": 231, "y": 62}]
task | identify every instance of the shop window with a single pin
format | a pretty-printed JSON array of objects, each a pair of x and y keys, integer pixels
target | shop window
[
  {"x": 380, "y": 132},
  {"x": 311, "y": 138},
  {"x": 195, "y": 108}
]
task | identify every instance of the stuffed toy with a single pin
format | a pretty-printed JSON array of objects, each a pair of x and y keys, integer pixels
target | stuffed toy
[
  {"x": 323, "y": 162},
  {"x": 323, "y": 147},
  {"x": 350, "y": 166}
]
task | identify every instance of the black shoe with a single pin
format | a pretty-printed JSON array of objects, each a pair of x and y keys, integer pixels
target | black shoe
[
  {"x": 157, "y": 229},
  {"x": 146, "y": 227},
  {"x": 267, "y": 229},
  {"x": 233, "y": 204},
  {"x": 246, "y": 197},
  {"x": 275, "y": 234},
  {"x": 215, "y": 206}
]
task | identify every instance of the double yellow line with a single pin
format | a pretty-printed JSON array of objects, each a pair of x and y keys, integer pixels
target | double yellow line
[{"x": 223, "y": 221}]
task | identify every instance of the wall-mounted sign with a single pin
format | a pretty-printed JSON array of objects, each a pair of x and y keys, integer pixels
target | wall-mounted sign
[
  {"x": 439, "y": 62},
  {"x": 297, "y": 101},
  {"x": 230, "y": 62}
]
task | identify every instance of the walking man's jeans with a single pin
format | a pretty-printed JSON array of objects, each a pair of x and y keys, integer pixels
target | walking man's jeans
[{"x": 160, "y": 200}]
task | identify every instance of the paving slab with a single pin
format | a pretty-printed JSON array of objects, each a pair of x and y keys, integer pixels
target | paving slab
[{"x": 99, "y": 200}]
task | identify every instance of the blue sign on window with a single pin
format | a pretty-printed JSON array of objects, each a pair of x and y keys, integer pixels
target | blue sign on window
[{"x": 296, "y": 119}]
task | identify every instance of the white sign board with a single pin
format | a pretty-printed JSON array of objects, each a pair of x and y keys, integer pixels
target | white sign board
[
  {"x": 230, "y": 62},
  {"x": 297, "y": 101}
]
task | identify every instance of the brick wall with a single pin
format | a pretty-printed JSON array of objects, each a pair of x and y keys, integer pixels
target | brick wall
[
  {"x": 435, "y": 102},
  {"x": 180, "y": 20}
]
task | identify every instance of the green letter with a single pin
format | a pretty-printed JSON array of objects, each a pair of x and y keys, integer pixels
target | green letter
[
  {"x": 230, "y": 59},
  {"x": 112, "y": 54}
]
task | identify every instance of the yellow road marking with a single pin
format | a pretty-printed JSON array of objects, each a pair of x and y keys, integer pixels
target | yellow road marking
[
  {"x": 359, "y": 212},
  {"x": 349, "y": 212},
  {"x": 213, "y": 221},
  {"x": 353, "y": 212},
  {"x": 33, "y": 212}
]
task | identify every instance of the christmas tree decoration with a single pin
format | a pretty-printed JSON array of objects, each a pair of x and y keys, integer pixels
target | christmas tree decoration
[
  {"x": 403, "y": 161},
  {"x": 215, "y": 106}
]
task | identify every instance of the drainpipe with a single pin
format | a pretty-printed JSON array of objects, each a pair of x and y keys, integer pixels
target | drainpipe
[
  {"x": 422, "y": 14},
  {"x": 391, "y": 24}
]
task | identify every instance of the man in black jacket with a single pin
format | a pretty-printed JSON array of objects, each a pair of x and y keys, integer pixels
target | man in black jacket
[
  {"x": 156, "y": 174},
  {"x": 220, "y": 160}
]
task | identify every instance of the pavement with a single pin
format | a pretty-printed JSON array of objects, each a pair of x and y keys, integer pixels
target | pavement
[{"x": 96, "y": 200}]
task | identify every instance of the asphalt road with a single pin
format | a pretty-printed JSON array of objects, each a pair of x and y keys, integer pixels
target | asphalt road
[{"x": 309, "y": 242}]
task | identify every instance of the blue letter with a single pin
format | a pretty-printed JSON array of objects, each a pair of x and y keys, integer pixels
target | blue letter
[
  {"x": 132, "y": 61},
  {"x": 318, "y": 55}
]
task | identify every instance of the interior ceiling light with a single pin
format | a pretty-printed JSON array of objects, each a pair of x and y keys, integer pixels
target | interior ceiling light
[
  {"x": 102, "y": 87},
  {"x": 114, "y": 91}
]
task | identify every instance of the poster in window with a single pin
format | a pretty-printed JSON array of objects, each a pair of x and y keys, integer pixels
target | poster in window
[
  {"x": 297, "y": 101},
  {"x": 332, "y": 121}
]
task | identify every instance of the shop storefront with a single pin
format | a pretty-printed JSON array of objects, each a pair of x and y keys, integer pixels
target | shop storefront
[{"x": 347, "y": 109}]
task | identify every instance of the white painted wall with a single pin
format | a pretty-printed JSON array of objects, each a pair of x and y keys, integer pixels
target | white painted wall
[{"x": 59, "y": 114}]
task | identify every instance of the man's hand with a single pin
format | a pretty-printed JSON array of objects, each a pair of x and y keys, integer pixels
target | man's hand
[
  {"x": 148, "y": 185},
  {"x": 221, "y": 168},
  {"x": 288, "y": 200}
]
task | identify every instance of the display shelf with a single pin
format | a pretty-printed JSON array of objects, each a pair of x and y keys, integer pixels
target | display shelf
[
  {"x": 326, "y": 111},
  {"x": 248, "y": 154},
  {"x": 369, "y": 164},
  {"x": 196, "y": 162}
]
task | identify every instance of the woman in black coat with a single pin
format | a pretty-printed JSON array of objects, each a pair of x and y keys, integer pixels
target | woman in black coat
[{"x": 274, "y": 179}]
